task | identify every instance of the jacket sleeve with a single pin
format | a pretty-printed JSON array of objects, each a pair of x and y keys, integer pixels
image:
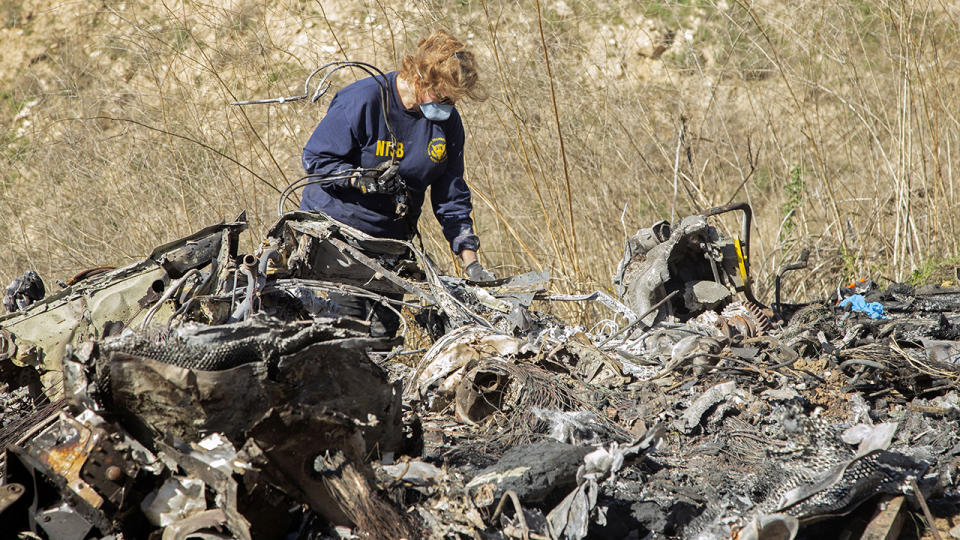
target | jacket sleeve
[
  {"x": 451, "y": 204},
  {"x": 333, "y": 147}
]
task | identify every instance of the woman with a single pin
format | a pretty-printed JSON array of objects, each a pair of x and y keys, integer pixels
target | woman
[{"x": 428, "y": 149}]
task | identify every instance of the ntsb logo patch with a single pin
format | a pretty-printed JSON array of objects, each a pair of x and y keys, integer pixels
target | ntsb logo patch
[{"x": 437, "y": 150}]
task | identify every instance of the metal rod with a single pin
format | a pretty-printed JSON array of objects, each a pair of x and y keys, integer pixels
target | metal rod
[
  {"x": 171, "y": 290},
  {"x": 801, "y": 263},
  {"x": 640, "y": 318},
  {"x": 249, "y": 269},
  {"x": 519, "y": 511},
  {"x": 745, "y": 236},
  {"x": 270, "y": 100},
  {"x": 926, "y": 509}
]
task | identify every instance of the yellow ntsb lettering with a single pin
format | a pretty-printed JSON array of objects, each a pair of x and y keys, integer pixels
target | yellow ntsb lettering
[{"x": 384, "y": 150}]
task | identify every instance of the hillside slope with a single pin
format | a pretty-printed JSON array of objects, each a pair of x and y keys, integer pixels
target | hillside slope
[{"x": 837, "y": 122}]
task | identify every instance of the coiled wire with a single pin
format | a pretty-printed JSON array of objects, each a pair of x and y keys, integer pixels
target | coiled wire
[{"x": 322, "y": 87}]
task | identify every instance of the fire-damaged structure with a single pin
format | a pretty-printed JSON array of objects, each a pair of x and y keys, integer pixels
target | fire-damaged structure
[{"x": 206, "y": 393}]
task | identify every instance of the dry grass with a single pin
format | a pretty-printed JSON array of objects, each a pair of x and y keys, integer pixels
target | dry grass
[{"x": 837, "y": 121}]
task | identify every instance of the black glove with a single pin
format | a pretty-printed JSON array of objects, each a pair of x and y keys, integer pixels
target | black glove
[
  {"x": 381, "y": 179},
  {"x": 476, "y": 272}
]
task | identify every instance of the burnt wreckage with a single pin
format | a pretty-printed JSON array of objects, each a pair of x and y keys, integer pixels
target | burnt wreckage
[{"x": 203, "y": 393}]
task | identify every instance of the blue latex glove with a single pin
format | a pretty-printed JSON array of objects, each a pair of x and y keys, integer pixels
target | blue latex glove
[{"x": 857, "y": 303}]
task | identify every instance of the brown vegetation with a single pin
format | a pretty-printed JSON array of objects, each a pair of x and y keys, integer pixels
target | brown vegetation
[{"x": 837, "y": 121}]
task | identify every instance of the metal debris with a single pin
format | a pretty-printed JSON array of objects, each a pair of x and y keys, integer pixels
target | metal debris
[
  {"x": 208, "y": 393},
  {"x": 24, "y": 290}
]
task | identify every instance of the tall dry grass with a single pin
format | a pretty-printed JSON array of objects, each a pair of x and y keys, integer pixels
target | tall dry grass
[{"x": 837, "y": 121}]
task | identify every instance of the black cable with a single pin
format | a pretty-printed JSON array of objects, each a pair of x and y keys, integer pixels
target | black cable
[
  {"x": 379, "y": 77},
  {"x": 314, "y": 179},
  {"x": 371, "y": 70},
  {"x": 323, "y": 86}
]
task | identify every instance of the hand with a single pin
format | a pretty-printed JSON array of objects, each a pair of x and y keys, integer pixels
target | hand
[
  {"x": 381, "y": 179},
  {"x": 476, "y": 272}
]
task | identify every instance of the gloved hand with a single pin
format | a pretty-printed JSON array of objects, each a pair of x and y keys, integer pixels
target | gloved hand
[
  {"x": 476, "y": 272},
  {"x": 381, "y": 179}
]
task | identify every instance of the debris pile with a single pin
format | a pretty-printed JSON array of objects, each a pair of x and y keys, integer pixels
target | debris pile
[{"x": 203, "y": 393}]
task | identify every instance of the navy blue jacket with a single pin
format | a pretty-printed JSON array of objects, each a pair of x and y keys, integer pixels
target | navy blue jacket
[{"x": 353, "y": 134}]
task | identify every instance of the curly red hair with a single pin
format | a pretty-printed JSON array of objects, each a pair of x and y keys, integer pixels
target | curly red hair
[{"x": 443, "y": 65}]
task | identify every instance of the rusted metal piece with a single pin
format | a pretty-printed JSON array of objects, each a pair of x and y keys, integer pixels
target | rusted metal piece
[
  {"x": 763, "y": 323},
  {"x": 114, "y": 473},
  {"x": 744, "y": 319},
  {"x": 109, "y": 470},
  {"x": 17, "y": 430},
  {"x": 89, "y": 273},
  {"x": 737, "y": 319},
  {"x": 46, "y": 461},
  {"x": 64, "y": 448},
  {"x": 747, "y": 318},
  {"x": 888, "y": 522}
]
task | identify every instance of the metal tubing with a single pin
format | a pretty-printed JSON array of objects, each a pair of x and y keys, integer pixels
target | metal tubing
[
  {"x": 249, "y": 268},
  {"x": 171, "y": 290},
  {"x": 801, "y": 263},
  {"x": 744, "y": 234},
  {"x": 639, "y": 320},
  {"x": 270, "y": 254},
  {"x": 744, "y": 224}
]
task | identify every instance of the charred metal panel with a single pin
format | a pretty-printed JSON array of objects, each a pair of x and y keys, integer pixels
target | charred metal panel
[
  {"x": 231, "y": 386},
  {"x": 692, "y": 258},
  {"x": 82, "y": 311}
]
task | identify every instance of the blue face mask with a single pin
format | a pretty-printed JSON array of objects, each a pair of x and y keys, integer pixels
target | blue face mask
[{"x": 438, "y": 112}]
